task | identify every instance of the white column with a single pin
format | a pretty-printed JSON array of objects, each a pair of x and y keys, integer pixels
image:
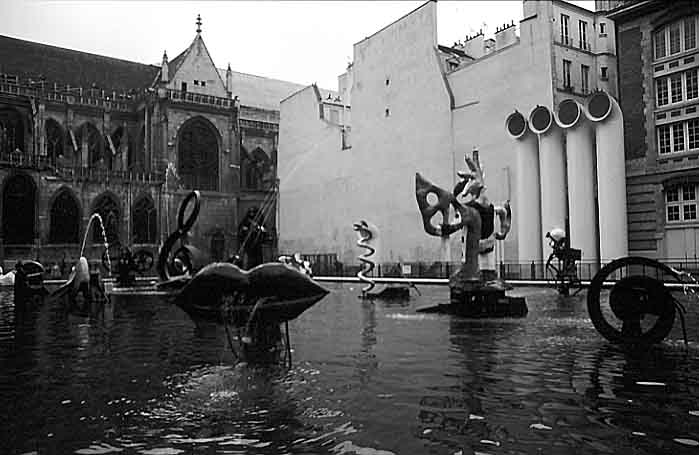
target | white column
[
  {"x": 552, "y": 171},
  {"x": 526, "y": 199},
  {"x": 611, "y": 175},
  {"x": 581, "y": 179}
]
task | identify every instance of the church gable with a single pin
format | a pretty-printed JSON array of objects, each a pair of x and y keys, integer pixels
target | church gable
[{"x": 197, "y": 72}]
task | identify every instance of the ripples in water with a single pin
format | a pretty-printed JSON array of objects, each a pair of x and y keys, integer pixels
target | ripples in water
[{"x": 138, "y": 376}]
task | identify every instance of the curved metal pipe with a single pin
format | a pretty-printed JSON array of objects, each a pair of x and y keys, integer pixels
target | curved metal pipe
[
  {"x": 604, "y": 110},
  {"x": 527, "y": 199},
  {"x": 552, "y": 169},
  {"x": 581, "y": 178}
]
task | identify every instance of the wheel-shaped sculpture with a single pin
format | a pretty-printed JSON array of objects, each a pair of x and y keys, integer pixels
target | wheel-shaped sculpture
[
  {"x": 143, "y": 260},
  {"x": 639, "y": 308}
]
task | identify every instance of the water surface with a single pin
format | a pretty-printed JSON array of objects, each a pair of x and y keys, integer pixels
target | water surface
[{"x": 138, "y": 376}]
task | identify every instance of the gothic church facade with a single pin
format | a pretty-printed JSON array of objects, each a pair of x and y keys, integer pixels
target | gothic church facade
[{"x": 83, "y": 133}]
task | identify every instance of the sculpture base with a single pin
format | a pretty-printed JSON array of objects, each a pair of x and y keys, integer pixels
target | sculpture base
[
  {"x": 472, "y": 298},
  {"x": 388, "y": 293}
]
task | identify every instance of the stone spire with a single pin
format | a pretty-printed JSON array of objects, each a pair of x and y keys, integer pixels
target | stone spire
[
  {"x": 229, "y": 80},
  {"x": 164, "y": 76}
]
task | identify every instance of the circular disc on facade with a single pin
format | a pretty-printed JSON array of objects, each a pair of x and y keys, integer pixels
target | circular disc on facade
[
  {"x": 599, "y": 106},
  {"x": 540, "y": 119},
  {"x": 568, "y": 113},
  {"x": 516, "y": 124}
]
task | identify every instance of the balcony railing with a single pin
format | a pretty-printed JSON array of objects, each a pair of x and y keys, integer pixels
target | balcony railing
[
  {"x": 45, "y": 163},
  {"x": 89, "y": 97},
  {"x": 178, "y": 96}
]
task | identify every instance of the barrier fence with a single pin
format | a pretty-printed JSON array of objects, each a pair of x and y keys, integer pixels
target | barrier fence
[{"x": 329, "y": 265}]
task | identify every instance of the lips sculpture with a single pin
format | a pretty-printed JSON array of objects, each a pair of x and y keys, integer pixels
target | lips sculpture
[{"x": 222, "y": 292}]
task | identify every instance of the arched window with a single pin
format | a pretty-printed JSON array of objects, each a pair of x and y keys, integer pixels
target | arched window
[
  {"x": 137, "y": 155},
  {"x": 256, "y": 169},
  {"x": 18, "y": 210},
  {"x": 144, "y": 221},
  {"x": 218, "y": 246},
  {"x": 120, "y": 141},
  {"x": 65, "y": 218},
  {"x": 91, "y": 139},
  {"x": 11, "y": 132},
  {"x": 54, "y": 141},
  {"x": 108, "y": 208},
  {"x": 198, "y": 155}
]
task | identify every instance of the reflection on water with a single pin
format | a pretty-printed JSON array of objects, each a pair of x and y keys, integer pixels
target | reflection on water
[{"x": 138, "y": 376}]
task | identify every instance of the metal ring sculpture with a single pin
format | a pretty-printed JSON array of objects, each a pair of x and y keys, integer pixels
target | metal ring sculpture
[
  {"x": 183, "y": 226},
  {"x": 638, "y": 299},
  {"x": 368, "y": 264}
]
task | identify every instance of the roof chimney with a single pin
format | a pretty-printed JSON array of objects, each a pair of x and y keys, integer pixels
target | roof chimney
[
  {"x": 505, "y": 36},
  {"x": 473, "y": 46}
]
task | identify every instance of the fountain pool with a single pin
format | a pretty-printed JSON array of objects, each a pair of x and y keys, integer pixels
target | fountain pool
[{"x": 138, "y": 376}]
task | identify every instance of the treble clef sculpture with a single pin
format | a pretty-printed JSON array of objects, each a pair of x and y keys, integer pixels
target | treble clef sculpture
[
  {"x": 165, "y": 263},
  {"x": 365, "y": 233}
]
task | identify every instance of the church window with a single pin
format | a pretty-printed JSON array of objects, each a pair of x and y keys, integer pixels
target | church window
[
  {"x": 218, "y": 246},
  {"x": 144, "y": 221},
  {"x": 137, "y": 155},
  {"x": 198, "y": 155},
  {"x": 90, "y": 139},
  {"x": 18, "y": 210},
  {"x": 11, "y": 133},
  {"x": 108, "y": 208},
  {"x": 65, "y": 218},
  {"x": 256, "y": 169},
  {"x": 54, "y": 141}
]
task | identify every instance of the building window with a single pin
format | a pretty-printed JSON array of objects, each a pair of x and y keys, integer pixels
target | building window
[
  {"x": 196, "y": 82},
  {"x": 693, "y": 133},
  {"x": 678, "y": 137},
  {"x": 681, "y": 203},
  {"x": 660, "y": 44},
  {"x": 676, "y": 87},
  {"x": 566, "y": 74},
  {"x": 675, "y": 38},
  {"x": 565, "y": 21},
  {"x": 183, "y": 86},
  {"x": 582, "y": 31},
  {"x": 585, "y": 78},
  {"x": 692, "y": 86},
  {"x": 664, "y": 139},
  {"x": 203, "y": 83},
  {"x": 602, "y": 28},
  {"x": 690, "y": 33},
  {"x": 675, "y": 41},
  {"x": 661, "y": 92},
  {"x": 346, "y": 138},
  {"x": 603, "y": 73}
]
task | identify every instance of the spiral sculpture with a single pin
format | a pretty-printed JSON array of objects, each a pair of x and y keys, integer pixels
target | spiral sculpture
[{"x": 365, "y": 232}]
